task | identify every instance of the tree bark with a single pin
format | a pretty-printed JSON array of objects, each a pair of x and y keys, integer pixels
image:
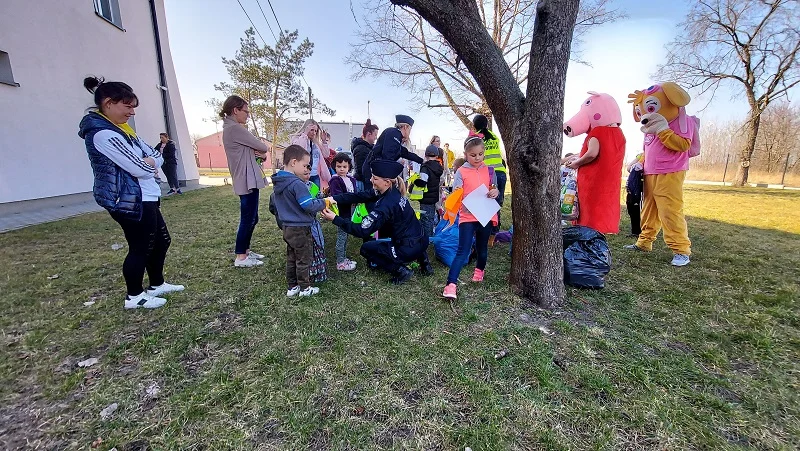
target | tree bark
[
  {"x": 531, "y": 129},
  {"x": 537, "y": 268},
  {"x": 746, "y": 155}
]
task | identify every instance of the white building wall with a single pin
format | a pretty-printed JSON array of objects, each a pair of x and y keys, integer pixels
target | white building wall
[{"x": 52, "y": 46}]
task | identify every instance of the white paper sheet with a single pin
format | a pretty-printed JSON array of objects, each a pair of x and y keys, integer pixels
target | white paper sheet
[{"x": 482, "y": 207}]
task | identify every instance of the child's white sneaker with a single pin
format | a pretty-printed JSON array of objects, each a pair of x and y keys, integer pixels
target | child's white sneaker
[
  {"x": 164, "y": 288},
  {"x": 346, "y": 265},
  {"x": 293, "y": 291},
  {"x": 310, "y": 291},
  {"x": 143, "y": 300},
  {"x": 247, "y": 262}
]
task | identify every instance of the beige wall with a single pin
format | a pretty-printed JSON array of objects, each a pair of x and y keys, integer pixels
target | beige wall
[{"x": 52, "y": 47}]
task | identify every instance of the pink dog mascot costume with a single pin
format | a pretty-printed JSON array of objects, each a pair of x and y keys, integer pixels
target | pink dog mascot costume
[
  {"x": 671, "y": 138},
  {"x": 600, "y": 161}
]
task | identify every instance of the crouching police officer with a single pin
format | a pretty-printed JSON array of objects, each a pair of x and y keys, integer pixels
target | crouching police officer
[{"x": 392, "y": 213}]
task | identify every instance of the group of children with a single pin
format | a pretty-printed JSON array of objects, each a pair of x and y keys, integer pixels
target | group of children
[{"x": 295, "y": 202}]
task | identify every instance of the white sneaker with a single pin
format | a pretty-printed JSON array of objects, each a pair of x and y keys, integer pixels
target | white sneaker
[
  {"x": 144, "y": 300},
  {"x": 255, "y": 255},
  {"x": 293, "y": 291},
  {"x": 346, "y": 265},
  {"x": 680, "y": 260},
  {"x": 247, "y": 262},
  {"x": 310, "y": 291},
  {"x": 164, "y": 288}
]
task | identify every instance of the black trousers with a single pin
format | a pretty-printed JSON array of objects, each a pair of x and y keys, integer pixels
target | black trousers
[
  {"x": 389, "y": 258},
  {"x": 171, "y": 171},
  {"x": 248, "y": 218},
  {"x": 148, "y": 240},
  {"x": 634, "y": 204}
]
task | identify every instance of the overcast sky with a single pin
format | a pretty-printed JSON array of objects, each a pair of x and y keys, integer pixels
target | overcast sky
[{"x": 622, "y": 57}]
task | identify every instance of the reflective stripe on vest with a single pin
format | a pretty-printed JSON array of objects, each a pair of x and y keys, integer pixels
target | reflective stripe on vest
[
  {"x": 492, "y": 157},
  {"x": 416, "y": 191}
]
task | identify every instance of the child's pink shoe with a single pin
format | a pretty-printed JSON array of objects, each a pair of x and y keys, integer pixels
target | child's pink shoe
[
  {"x": 450, "y": 291},
  {"x": 477, "y": 276}
]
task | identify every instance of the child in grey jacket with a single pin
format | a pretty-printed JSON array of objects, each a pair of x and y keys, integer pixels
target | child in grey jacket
[{"x": 296, "y": 209}]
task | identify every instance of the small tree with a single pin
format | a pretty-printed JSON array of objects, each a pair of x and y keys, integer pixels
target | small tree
[
  {"x": 268, "y": 78},
  {"x": 288, "y": 96},
  {"x": 250, "y": 80},
  {"x": 531, "y": 126},
  {"x": 779, "y": 136},
  {"x": 752, "y": 43}
]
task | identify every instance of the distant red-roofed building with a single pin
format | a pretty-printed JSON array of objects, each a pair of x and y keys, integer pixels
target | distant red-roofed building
[{"x": 211, "y": 153}]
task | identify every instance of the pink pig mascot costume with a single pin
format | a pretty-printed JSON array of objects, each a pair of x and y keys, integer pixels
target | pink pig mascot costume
[{"x": 600, "y": 161}]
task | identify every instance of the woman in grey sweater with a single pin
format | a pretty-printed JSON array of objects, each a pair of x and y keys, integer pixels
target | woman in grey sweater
[{"x": 241, "y": 149}]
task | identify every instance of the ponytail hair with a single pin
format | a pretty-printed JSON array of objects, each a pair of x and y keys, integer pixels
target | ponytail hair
[
  {"x": 369, "y": 127},
  {"x": 231, "y": 103},
  {"x": 117, "y": 91}
]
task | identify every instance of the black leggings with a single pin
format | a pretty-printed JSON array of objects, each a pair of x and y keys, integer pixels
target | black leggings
[{"x": 148, "y": 241}]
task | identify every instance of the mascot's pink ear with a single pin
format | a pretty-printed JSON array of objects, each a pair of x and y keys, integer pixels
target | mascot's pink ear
[{"x": 675, "y": 94}]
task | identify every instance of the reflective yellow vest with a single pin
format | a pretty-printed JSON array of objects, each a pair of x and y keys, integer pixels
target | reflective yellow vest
[
  {"x": 416, "y": 191},
  {"x": 493, "y": 158}
]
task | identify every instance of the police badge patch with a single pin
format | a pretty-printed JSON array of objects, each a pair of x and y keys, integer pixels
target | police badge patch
[{"x": 367, "y": 222}]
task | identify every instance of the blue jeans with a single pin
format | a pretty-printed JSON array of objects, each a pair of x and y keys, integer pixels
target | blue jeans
[
  {"x": 501, "y": 186},
  {"x": 248, "y": 218},
  {"x": 466, "y": 230},
  {"x": 315, "y": 180}
]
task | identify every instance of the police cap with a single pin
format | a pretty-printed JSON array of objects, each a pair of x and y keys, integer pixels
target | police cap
[
  {"x": 387, "y": 169},
  {"x": 403, "y": 119}
]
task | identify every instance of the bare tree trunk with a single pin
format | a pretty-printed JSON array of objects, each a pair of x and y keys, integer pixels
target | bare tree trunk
[
  {"x": 752, "y": 125},
  {"x": 531, "y": 128},
  {"x": 537, "y": 262}
]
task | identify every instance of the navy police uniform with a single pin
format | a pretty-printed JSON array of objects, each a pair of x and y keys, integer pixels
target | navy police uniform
[
  {"x": 389, "y": 146},
  {"x": 394, "y": 214}
]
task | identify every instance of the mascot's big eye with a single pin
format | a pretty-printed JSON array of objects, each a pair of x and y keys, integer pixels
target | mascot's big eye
[
  {"x": 652, "y": 104},
  {"x": 588, "y": 101}
]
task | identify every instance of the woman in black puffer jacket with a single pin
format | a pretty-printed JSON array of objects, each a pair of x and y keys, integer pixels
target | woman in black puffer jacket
[{"x": 361, "y": 148}]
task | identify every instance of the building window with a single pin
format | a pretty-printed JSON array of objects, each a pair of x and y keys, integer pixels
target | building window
[
  {"x": 109, "y": 10},
  {"x": 6, "y": 76}
]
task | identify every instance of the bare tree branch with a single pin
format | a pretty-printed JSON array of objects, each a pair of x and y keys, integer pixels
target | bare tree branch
[
  {"x": 753, "y": 43},
  {"x": 393, "y": 38}
]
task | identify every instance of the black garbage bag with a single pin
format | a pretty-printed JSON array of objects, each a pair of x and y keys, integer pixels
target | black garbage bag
[{"x": 587, "y": 258}]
